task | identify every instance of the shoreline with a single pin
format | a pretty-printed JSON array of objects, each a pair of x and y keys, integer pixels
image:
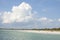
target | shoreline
[
  {"x": 37, "y": 31},
  {"x": 42, "y": 31}
]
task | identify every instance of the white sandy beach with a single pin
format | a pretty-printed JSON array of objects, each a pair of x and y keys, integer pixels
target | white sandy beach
[
  {"x": 36, "y": 31},
  {"x": 43, "y": 32}
]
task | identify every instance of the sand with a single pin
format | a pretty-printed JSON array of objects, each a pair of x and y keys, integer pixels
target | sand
[
  {"x": 42, "y": 31},
  {"x": 36, "y": 31}
]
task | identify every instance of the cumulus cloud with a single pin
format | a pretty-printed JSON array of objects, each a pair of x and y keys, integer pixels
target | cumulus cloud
[
  {"x": 45, "y": 19},
  {"x": 19, "y": 13},
  {"x": 22, "y": 15}
]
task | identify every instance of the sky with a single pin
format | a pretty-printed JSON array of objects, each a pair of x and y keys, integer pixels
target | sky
[{"x": 29, "y": 13}]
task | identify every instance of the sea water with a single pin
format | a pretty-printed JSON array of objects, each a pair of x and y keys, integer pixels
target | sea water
[{"x": 19, "y": 35}]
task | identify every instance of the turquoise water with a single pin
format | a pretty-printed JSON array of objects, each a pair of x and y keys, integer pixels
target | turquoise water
[{"x": 17, "y": 35}]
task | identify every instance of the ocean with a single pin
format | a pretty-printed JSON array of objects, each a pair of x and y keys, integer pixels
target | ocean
[{"x": 19, "y": 35}]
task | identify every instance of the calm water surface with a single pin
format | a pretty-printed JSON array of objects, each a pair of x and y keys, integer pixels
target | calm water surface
[{"x": 18, "y": 35}]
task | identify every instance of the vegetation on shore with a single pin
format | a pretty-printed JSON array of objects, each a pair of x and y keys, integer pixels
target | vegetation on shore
[{"x": 45, "y": 29}]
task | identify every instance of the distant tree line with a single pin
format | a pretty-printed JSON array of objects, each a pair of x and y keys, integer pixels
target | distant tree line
[{"x": 52, "y": 29}]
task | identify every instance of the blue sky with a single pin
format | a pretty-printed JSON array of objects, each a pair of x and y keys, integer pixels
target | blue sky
[{"x": 42, "y": 10}]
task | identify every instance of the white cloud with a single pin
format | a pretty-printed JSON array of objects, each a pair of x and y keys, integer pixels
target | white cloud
[
  {"x": 23, "y": 16},
  {"x": 0, "y": 14},
  {"x": 43, "y": 19},
  {"x": 59, "y": 20},
  {"x": 50, "y": 20},
  {"x": 22, "y": 13},
  {"x": 19, "y": 13}
]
